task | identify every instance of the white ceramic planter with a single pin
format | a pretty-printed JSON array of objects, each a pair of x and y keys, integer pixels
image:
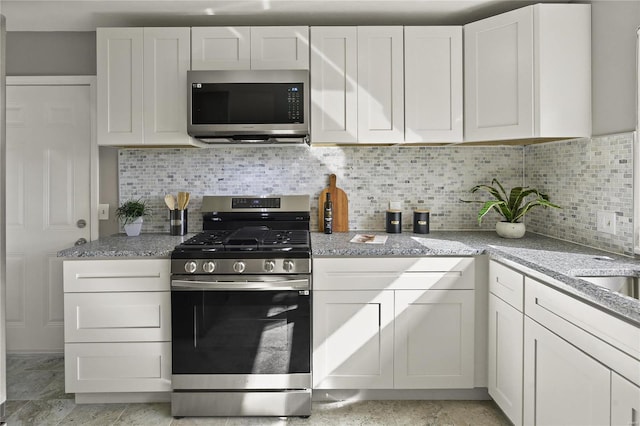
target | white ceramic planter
[
  {"x": 510, "y": 230},
  {"x": 133, "y": 229}
]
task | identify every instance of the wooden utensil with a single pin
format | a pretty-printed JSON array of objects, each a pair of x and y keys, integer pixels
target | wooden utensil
[
  {"x": 340, "y": 207},
  {"x": 187, "y": 197},
  {"x": 170, "y": 201},
  {"x": 181, "y": 200}
]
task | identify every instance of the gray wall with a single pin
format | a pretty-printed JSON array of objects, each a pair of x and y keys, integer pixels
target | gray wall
[
  {"x": 614, "y": 25},
  {"x": 51, "y": 53}
]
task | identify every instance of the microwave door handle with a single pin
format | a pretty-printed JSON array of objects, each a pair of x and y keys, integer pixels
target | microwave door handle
[{"x": 298, "y": 284}]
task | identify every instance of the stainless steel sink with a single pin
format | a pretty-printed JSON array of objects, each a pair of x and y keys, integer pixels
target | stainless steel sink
[{"x": 621, "y": 284}]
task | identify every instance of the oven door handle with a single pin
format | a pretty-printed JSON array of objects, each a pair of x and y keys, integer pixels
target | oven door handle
[{"x": 298, "y": 284}]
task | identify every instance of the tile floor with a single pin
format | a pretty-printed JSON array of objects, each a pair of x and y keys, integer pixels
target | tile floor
[{"x": 35, "y": 388}]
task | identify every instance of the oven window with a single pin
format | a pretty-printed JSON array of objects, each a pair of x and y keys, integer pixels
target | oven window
[{"x": 240, "y": 332}]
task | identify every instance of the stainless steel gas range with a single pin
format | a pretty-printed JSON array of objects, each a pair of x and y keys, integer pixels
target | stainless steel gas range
[{"x": 240, "y": 308}]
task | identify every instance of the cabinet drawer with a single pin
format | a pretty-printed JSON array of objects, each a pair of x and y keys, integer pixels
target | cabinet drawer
[
  {"x": 117, "y": 317},
  {"x": 83, "y": 276},
  {"x": 117, "y": 367},
  {"x": 394, "y": 274},
  {"x": 507, "y": 284},
  {"x": 606, "y": 338}
]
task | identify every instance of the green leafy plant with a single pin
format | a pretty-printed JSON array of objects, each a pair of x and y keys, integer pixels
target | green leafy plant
[
  {"x": 131, "y": 210},
  {"x": 511, "y": 206}
]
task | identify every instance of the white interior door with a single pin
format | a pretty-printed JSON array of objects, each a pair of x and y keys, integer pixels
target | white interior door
[{"x": 49, "y": 140}]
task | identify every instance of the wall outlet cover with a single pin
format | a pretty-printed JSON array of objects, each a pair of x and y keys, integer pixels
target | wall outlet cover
[
  {"x": 606, "y": 222},
  {"x": 103, "y": 211}
]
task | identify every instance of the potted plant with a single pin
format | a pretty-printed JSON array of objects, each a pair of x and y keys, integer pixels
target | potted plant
[
  {"x": 511, "y": 206},
  {"x": 131, "y": 213}
]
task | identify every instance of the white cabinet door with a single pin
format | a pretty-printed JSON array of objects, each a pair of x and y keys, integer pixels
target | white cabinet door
[
  {"x": 625, "y": 402},
  {"x": 353, "y": 339},
  {"x": 506, "y": 335},
  {"x": 117, "y": 317},
  {"x": 380, "y": 84},
  {"x": 87, "y": 276},
  {"x": 166, "y": 62},
  {"x": 117, "y": 367},
  {"x": 562, "y": 385},
  {"x": 334, "y": 83},
  {"x": 274, "y": 48},
  {"x": 528, "y": 74},
  {"x": 433, "y": 84},
  {"x": 220, "y": 48},
  {"x": 434, "y": 339},
  {"x": 119, "y": 80},
  {"x": 499, "y": 76}
]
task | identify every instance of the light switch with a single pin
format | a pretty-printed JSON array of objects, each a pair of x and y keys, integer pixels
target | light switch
[{"x": 103, "y": 211}]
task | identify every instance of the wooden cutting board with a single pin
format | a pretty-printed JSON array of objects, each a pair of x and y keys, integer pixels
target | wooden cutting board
[{"x": 340, "y": 207}]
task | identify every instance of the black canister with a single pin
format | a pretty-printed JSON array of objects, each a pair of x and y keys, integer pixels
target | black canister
[
  {"x": 394, "y": 221},
  {"x": 178, "y": 222},
  {"x": 421, "y": 221}
]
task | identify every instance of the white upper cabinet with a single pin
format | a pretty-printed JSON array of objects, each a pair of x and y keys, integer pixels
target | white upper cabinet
[
  {"x": 386, "y": 84},
  {"x": 141, "y": 79},
  {"x": 119, "y": 85},
  {"x": 274, "y": 48},
  {"x": 166, "y": 62},
  {"x": 243, "y": 48},
  {"x": 334, "y": 84},
  {"x": 380, "y": 84},
  {"x": 433, "y": 84},
  {"x": 220, "y": 48},
  {"x": 528, "y": 74}
]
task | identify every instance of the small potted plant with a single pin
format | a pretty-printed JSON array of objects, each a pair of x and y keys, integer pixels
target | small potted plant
[
  {"x": 131, "y": 213},
  {"x": 511, "y": 206}
]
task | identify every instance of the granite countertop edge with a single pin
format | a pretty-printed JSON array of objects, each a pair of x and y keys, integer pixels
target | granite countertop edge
[{"x": 559, "y": 260}]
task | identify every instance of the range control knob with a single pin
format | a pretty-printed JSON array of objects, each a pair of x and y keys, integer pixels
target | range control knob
[
  {"x": 288, "y": 265},
  {"x": 209, "y": 267},
  {"x": 239, "y": 267},
  {"x": 190, "y": 267},
  {"x": 269, "y": 265}
]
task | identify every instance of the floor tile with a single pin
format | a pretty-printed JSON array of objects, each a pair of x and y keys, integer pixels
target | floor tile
[
  {"x": 42, "y": 413},
  {"x": 94, "y": 414},
  {"x": 35, "y": 387}
]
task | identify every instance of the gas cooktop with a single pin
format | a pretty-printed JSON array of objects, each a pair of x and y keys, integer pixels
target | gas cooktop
[{"x": 252, "y": 238}]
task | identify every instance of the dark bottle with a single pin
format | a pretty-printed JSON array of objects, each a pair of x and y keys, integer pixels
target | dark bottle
[{"x": 328, "y": 215}]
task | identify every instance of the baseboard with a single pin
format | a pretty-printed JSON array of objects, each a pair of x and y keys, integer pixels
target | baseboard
[
  {"x": 476, "y": 394},
  {"x": 122, "y": 397}
]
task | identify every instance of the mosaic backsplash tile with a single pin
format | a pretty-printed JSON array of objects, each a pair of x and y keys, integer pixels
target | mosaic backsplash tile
[
  {"x": 584, "y": 176},
  {"x": 434, "y": 178}
]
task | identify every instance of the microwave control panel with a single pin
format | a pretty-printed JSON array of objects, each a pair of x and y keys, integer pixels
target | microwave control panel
[{"x": 294, "y": 100}]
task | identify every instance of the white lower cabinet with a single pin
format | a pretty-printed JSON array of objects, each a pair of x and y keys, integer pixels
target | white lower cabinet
[
  {"x": 353, "y": 339},
  {"x": 393, "y": 323},
  {"x": 563, "y": 385},
  {"x": 580, "y": 364},
  {"x": 506, "y": 339},
  {"x": 117, "y": 326},
  {"x": 625, "y": 402},
  {"x": 506, "y": 336}
]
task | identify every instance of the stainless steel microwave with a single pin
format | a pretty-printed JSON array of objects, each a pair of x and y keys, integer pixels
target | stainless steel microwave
[{"x": 258, "y": 106}]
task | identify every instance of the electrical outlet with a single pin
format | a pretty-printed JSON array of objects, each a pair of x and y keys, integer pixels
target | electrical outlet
[
  {"x": 606, "y": 222},
  {"x": 103, "y": 211}
]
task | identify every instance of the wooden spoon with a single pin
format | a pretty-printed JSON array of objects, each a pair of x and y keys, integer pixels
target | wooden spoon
[
  {"x": 170, "y": 201},
  {"x": 181, "y": 200},
  {"x": 187, "y": 197}
]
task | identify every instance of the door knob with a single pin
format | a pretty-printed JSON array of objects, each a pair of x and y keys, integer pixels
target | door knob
[
  {"x": 81, "y": 223},
  {"x": 80, "y": 241}
]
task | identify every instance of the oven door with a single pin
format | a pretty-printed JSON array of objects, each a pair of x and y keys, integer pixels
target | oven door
[{"x": 241, "y": 332}]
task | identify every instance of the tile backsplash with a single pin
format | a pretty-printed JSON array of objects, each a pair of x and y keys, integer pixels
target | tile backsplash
[
  {"x": 583, "y": 176},
  {"x": 435, "y": 178}
]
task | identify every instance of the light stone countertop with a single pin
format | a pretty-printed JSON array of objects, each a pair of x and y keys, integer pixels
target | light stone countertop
[{"x": 534, "y": 254}]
